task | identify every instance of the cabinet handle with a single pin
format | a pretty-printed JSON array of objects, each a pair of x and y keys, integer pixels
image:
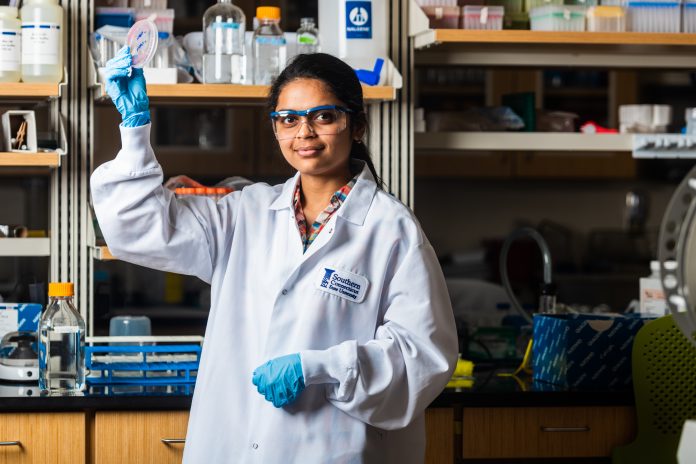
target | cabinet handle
[
  {"x": 565, "y": 429},
  {"x": 10, "y": 443},
  {"x": 172, "y": 441}
]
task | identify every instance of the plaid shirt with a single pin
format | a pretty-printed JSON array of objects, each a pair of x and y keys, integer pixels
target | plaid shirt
[{"x": 308, "y": 234}]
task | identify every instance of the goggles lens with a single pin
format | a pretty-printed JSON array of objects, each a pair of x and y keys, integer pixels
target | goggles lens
[{"x": 321, "y": 121}]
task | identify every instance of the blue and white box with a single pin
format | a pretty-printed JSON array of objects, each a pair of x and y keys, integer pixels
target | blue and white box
[
  {"x": 584, "y": 350},
  {"x": 16, "y": 317}
]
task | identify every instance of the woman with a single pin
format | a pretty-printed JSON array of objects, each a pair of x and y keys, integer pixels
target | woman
[{"x": 330, "y": 329}]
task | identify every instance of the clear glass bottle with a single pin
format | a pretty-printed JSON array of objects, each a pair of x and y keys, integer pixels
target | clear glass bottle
[
  {"x": 224, "y": 58},
  {"x": 307, "y": 37},
  {"x": 10, "y": 44},
  {"x": 270, "y": 50},
  {"x": 61, "y": 343},
  {"x": 42, "y": 41}
]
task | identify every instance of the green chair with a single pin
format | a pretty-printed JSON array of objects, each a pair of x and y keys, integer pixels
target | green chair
[{"x": 664, "y": 382}]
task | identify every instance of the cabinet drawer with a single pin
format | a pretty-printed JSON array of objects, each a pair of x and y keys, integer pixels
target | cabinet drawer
[
  {"x": 43, "y": 437},
  {"x": 545, "y": 432},
  {"x": 139, "y": 437}
]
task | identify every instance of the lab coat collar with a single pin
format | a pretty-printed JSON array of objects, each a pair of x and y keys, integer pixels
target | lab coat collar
[{"x": 357, "y": 204}]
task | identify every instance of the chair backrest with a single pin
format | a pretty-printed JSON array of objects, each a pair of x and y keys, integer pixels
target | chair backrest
[{"x": 664, "y": 381}]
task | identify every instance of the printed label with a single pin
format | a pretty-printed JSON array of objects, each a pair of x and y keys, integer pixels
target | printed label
[
  {"x": 359, "y": 20},
  {"x": 41, "y": 43},
  {"x": 343, "y": 284},
  {"x": 8, "y": 321},
  {"x": 10, "y": 51},
  {"x": 65, "y": 330}
]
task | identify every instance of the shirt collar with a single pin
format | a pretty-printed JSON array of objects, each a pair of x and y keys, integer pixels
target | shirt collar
[{"x": 354, "y": 209}]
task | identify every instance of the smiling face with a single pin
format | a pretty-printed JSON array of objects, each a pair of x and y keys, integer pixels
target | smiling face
[{"x": 309, "y": 153}]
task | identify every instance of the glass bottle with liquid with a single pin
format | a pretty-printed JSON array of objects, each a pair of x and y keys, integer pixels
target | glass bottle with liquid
[
  {"x": 224, "y": 58},
  {"x": 42, "y": 41},
  {"x": 307, "y": 37},
  {"x": 10, "y": 44},
  {"x": 270, "y": 49},
  {"x": 61, "y": 343}
]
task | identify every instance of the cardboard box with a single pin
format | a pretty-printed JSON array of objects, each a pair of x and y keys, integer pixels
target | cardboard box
[
  {"x": 19, "y": 316},
  {"x": 584, "y": 350}
]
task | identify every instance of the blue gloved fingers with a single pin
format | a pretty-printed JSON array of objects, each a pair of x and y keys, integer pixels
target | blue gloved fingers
[
  {"x": 138, "y": 88},
  {"x": 119, "y": 66},
  {"x": 137, "y": 119}
]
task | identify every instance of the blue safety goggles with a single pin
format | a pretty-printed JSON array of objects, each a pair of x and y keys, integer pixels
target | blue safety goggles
[{"x": 322, "y": 120}]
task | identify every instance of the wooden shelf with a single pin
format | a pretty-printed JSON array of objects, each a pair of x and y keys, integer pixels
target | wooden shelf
[
  {"x": 523, "y": 141},
  {"x": 50, "y": 160},
  {"x": 228, "y": 93},
  {"x": 32, "y": 91},
  {"x": 14, "y": 247},
  {"x": 547, "y": 48}
]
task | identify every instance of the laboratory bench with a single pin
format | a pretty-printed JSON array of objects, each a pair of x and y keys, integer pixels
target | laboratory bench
[{"x": 495, "y": 420}]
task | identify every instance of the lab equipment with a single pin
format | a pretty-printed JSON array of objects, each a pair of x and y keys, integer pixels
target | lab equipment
[
  {"x": 651, "y": 16},
  {"x": 163, "y": 19},
  {"x": 13, "y": 231},
  {"x": 307, "y": 38},
  {"x": 557, "y": 18},
  {"x": 224, "y": 54},
  {"x": 690, "y": 117},
  {"x": 280, "y": 380},
  {"x": 652, "y": 297},
  {"x": 371, "y": 77},
  {"x": 42, "y": 41},
  {"x": 18, "y": 360},
  {"x": 323, "y": 120},
  {"x": 112, "y": 16},
  {"x": 142, "y": 41},
  {"x": 529, "y": 5},
  {"x": 19, "y": 129},
  {"x": 482, "y": 17},
  {"x": 128, "y": 92},
  {"x": 151, "y": 4},
  {"x": 125, "y": 326},
  {"x": 689, "y": 17},
  {"x": 606, "y": 19},
  {"x": 61, "y": 343},
  {"x": 10, "y": 45},
  {"x": 268, "y": 42},
  {"x": 644, "y": 119},
  {"x": 355, "y": 31},
  {"x": 442, "y": 17}
]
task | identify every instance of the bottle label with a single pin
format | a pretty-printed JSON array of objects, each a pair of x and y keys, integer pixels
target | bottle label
[
  {"x": 65, "y": 329},
  {"x": 10, "y": 56},
  {"x": 306, "y": 39},
  {"x": 359, "y": 20},
  {"x": 279, "y": 41},
  {"x": 41, "y": 43}
]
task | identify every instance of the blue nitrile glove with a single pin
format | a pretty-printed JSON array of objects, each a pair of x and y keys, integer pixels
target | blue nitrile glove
[
  {"x": 126, "y": 87},
  {"x": 280, "y": 380}
]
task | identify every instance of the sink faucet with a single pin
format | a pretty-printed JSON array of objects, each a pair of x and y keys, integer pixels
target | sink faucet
[{"x": 547, "y": 300}]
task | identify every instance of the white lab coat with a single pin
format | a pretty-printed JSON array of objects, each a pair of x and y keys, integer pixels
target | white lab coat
[{"x": 375, "y": 350}]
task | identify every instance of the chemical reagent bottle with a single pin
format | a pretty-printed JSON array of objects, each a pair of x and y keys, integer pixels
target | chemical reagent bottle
[
  {"x": 10, "y": 45},
  {"x": 224, "y": 58},
  {"x": 42, "y": 41},
  {"x": 61, "y": 343},
  {"x": 270, "y": 50},
  {"x": 307, "y": 36}
]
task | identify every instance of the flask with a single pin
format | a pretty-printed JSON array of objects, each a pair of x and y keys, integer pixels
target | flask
[
  {"x": 269, "y": 46},
  {"x": 10, "y": 44},
  {"x": 61, "y": 343},
  {"x": 307, "y": 36},
  {"x": 42, "y": 41},
  {"x": 224, "y": 59}
]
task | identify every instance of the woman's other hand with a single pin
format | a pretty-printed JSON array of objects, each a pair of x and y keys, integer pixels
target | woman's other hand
[{"x": 126, "y": 87}]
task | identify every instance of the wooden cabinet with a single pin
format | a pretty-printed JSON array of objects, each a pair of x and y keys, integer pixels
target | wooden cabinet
[
  {"x": 439, "y": 435},
  {"x": 40, "y": 438},
  {"x": 138, "y": 437},
  {"x": 545, "y": 432}
]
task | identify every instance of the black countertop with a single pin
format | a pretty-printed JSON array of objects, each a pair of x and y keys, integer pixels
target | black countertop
[{"x": 488, "y": 390}]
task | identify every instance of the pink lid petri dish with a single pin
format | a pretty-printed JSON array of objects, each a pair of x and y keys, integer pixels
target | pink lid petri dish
[{"x": 142, "y": 41}]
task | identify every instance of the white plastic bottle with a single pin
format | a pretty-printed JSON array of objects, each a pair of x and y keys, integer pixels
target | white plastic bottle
[
  {"x": 355, "y": 31},
  {"x": 10, "y": 44},
  {"x": 224, "y": 59},
  {"x": 307, "y": 36},
  {"x": 42, "y": 41},
  {"x": 61, "y": 343},
  {"x": 268, "y": 43}
]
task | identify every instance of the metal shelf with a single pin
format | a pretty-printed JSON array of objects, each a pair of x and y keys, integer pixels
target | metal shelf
[
  {"x": 16, "y": 247},
  {"x": 523, "y": 141}
]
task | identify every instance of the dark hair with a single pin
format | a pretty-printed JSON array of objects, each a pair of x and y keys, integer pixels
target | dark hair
[{"x": 342, "y": 82}]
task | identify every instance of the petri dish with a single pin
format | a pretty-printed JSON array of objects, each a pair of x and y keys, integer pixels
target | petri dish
[{"x": 142, "y": 41}]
